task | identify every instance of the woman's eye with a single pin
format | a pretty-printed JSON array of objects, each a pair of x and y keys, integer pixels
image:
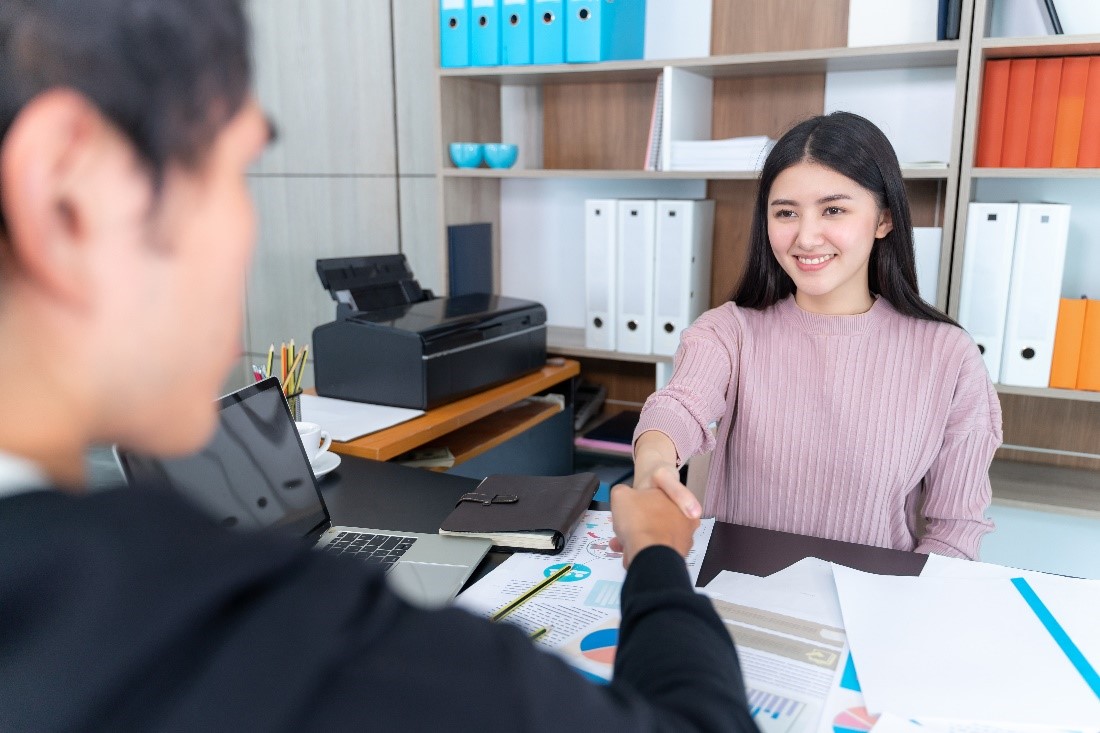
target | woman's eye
[
  {"x": 833, "y": 211},
  {"x": 784, "y": 214}
]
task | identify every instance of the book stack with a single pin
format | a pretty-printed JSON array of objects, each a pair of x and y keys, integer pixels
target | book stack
[
  {"x": 1040, "y": 113},
  {"x": 733, "y": 154}
]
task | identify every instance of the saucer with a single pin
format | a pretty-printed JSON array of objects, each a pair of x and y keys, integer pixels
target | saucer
[{"x": 324, "y": 463}]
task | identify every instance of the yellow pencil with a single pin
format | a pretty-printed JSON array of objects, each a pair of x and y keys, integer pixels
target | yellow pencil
[
  {"x": 531, "y": 592},
  {"x": 539, "y": 633},
  {"x": 270, "y": 359},
  {"x": 304, "y": 354},
  {"x": 292, "y": 380}
]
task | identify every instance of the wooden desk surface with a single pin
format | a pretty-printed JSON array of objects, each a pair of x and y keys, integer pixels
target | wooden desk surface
[{"x": 391, "y": 442}]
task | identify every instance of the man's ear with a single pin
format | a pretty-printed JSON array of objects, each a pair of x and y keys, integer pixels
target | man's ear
[
  {"x": 48, "y": 171},
  {"x": 885, "y": 224}
]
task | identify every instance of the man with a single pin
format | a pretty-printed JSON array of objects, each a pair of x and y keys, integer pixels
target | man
[{"x": 126, "y": 128}]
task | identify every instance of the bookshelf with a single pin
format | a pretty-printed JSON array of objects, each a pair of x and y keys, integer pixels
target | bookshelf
[
  {"x": 910, "y": 173},
  {"x": 587, "y": 125},
  {"x": 1042, "y": 425}
]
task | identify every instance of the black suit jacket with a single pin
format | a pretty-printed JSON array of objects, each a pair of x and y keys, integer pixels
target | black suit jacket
[{"x": 130, "y": 610}]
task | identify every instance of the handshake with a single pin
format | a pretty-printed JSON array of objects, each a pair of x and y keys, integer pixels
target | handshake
[{"x": 659, "y": 510}]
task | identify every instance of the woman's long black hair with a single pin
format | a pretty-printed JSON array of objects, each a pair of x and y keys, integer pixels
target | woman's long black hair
[{"x": 853, "y": 147}]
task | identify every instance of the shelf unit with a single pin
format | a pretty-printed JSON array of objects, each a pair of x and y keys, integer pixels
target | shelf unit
[
  {"x": 1054, "y": 426},
  {"x": 586, "y": 123},
  {"x": 913, "y": 173}
]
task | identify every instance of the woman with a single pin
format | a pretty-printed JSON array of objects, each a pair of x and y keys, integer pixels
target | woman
[{"x": 847, "y": 407}]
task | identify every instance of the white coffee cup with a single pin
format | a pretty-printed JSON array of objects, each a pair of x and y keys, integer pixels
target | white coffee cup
[{"x": 315, "y": 440}]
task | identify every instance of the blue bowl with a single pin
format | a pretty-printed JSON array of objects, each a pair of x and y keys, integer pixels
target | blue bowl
[
  {"x": 466, "y": 155},
  {"x": 501, "y": 155}
]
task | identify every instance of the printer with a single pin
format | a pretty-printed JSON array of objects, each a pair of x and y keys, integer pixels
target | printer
[{"x": 393, "y": 343}]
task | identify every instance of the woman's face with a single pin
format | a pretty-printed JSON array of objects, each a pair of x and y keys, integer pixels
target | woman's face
[{"x": 822, "y": 226}]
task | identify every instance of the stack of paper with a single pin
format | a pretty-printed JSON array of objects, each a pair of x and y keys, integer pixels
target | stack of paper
[
  {"x": 790, "y": 641},
  {"x": 733, "y": 154},
  {"x": 976, "y": 643},
  {"x": 918, "y": 687},
  {"x": 345, "y": 420}
]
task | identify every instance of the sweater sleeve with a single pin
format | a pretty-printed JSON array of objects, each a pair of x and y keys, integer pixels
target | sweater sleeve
[
  {"x": 957, "y": 489},
  {"x": 704, "y": 374}
]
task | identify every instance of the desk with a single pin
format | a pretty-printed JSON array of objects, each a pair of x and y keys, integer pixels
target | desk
[
  {"x": 488, "y": 419},
  {"x": 391, "y": 496}
]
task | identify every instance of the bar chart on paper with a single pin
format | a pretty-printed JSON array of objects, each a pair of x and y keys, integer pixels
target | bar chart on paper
[{"x": 774, "y": 713}]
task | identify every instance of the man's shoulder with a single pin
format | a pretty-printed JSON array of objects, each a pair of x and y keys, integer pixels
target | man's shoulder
[{"x": 126, "y": 535}]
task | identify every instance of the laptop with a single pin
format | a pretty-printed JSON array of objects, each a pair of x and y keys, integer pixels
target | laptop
[{"x": 254, "y": 474}]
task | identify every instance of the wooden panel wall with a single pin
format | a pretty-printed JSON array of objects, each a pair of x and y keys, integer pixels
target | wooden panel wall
[
  {"x": 1051, "y": 423},
  {"x": 926, "y": 202},
  {"x": 765, "y": 105},
  {"x": 601, "y": 126},
  {"x": 626, "y": 381},
  {"x": 749, "y": 26},
  {"x": 470, "y": 112},
  {"x": 733, "y": 202}
]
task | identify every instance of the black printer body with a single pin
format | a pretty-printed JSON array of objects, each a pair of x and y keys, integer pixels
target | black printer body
[{"x": 426, "y": 353}]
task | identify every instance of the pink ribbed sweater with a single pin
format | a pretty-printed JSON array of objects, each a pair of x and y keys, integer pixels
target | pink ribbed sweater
[{"x": 829, "y": 424}]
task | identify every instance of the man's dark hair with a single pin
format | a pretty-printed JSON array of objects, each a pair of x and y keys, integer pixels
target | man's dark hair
[
  {"x": 168, "y": 73},
  {"x": 854, "y": 147}
]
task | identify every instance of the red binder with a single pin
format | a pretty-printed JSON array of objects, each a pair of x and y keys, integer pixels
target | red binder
[
  {"x": 1044, "y": 110},
  {"x": 991, "y": 120},
  {"x": 1088, "y": 155},
  {"x": 1021, "y": 87},
  {"x": 1071, "y": 106}
]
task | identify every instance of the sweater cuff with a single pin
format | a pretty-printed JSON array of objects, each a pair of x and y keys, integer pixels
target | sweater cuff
[
  {"x": 657, "y": 568},
  {"x": 672, "y": 423}
]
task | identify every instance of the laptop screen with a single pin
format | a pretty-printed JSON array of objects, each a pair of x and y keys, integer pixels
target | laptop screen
[{"x": 254, "y": 474}]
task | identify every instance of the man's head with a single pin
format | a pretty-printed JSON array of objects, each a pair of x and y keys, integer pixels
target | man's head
[{"x": 126, "y": 128}]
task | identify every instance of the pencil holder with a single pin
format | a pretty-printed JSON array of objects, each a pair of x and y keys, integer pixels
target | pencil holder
[{"x": 294, "y": 402}]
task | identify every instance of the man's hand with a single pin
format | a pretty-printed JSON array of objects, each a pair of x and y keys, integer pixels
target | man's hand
[{"x": 647, "y": 516}]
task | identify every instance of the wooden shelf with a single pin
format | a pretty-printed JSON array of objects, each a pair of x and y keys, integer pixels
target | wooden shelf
[
  {"x": 489, "y": 432},
  {"x": 570, "y": 342},
  {"x": 1010, "y": 48},
  {"x": 392, "y": 442},
  {"x": 1047, "y": 488},
  {"x": 1062, "y": 394},
  {"x": 812, "y": 61},
  {"x": 911, "y": 173},
  {"x": 1064, "y": 173}
]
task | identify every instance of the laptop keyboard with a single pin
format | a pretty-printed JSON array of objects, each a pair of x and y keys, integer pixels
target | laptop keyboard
[{"x": 381, "y": 549}]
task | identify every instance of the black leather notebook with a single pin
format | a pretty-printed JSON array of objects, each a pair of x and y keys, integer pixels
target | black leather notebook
[{"x": 523, "y": 512}]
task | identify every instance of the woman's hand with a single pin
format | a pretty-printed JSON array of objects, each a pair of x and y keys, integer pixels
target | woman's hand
[{"x": 655, "y": 467}]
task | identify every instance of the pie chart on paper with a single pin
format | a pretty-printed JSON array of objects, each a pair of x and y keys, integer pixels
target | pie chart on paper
[
  {"x": 854, "y": 720},
  {"x": 599, "y": 646}
]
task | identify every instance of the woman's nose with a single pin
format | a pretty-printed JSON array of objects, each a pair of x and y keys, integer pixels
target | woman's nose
[{"x": 810, "y": 233}]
